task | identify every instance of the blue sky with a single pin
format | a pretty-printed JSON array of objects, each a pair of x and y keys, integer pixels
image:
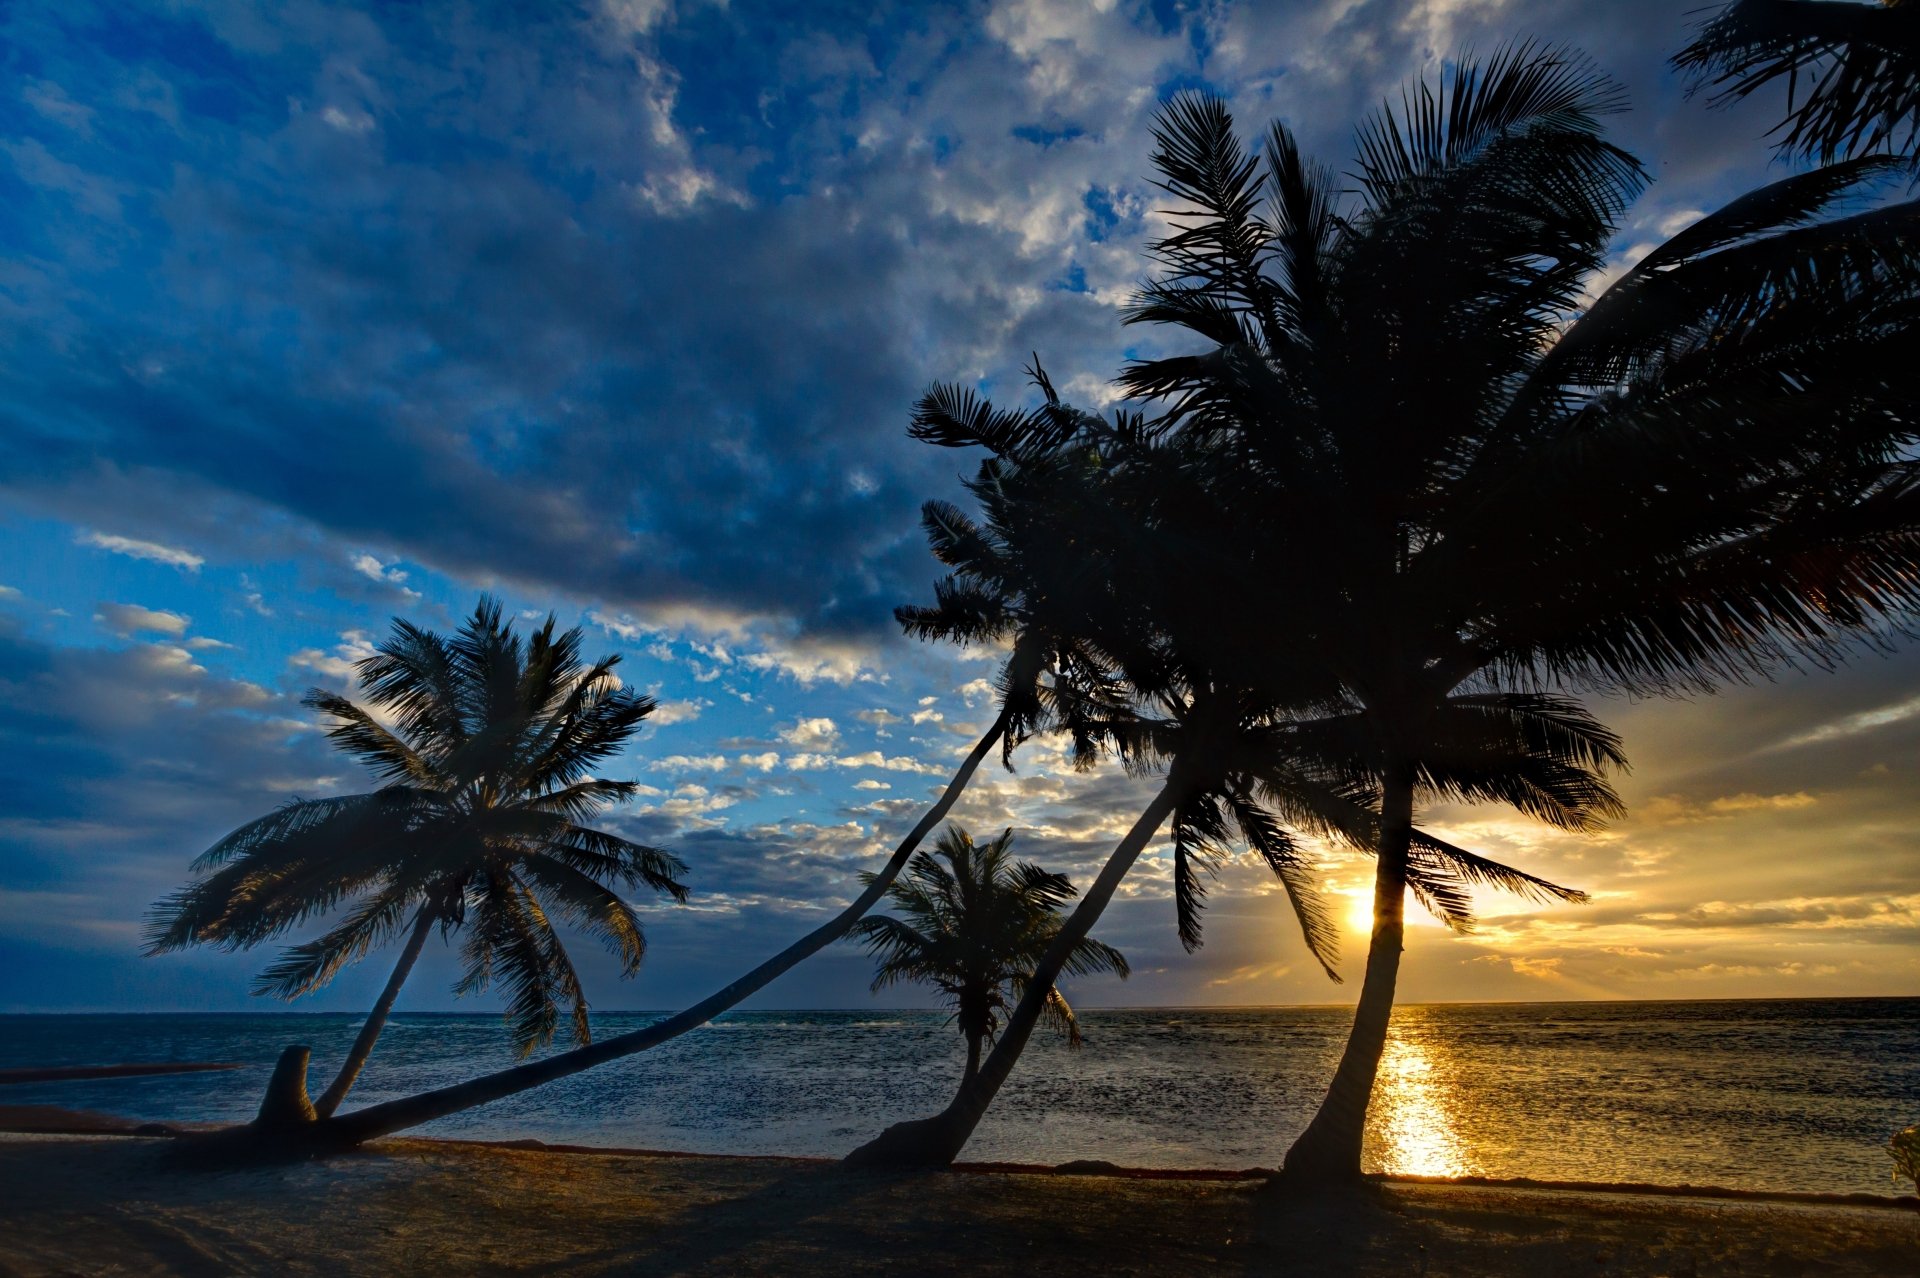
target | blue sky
[{"x": 317, "y": 314}]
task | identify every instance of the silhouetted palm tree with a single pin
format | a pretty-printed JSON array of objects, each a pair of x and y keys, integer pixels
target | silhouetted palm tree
[
  {"x": 1465, "y": 489},
  {"x": 1852, "y": 70},
  {"x": 1047, "y": 680},
  {"x": 478, "y": 829},
  {"x": 1251, "y": 742},
  {"x": 973, "y": 928}
]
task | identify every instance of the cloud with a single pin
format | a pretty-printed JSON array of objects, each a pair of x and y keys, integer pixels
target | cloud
[
  {"x": 339, "y": 665},
  {"x": 1855, "y": 724},
  {"x": 619, "y": 309},
  {"x": 137, "y": 549},
  {"x": 689, "y": 763},
  {"x": 671, "y": 712},
  {"x": 368, "y": 566},
  {"x": 1675, "y": 809},
  {"x": 129, "y": 619},
  {"x": 817, "y": 733}
]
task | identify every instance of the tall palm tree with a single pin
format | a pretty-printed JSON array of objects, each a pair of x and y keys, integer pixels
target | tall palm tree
[
  {"x": 1250, "y": 743},
  {"x": 479, "y": 829},
  {"x": 1466, "y": 490},
  {"x": 973, "y": 928},
  {"x": 1860, "y": 62}
]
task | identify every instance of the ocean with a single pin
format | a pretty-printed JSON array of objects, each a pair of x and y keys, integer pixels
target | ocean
[{"x": 1778, "y": 1095}]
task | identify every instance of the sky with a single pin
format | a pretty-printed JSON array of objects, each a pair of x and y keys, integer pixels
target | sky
[{"x": 313, "y": 315}]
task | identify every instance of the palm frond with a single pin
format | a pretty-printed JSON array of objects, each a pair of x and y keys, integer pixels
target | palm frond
[{"x": 1852, "y": 70}]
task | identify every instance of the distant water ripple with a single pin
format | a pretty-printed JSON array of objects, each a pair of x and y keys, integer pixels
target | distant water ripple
[{"x": 1795, "y": 1095}]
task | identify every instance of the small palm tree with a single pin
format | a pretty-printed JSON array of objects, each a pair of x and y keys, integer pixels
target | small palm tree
[
  {"x": 1852, "y": 70},
  {"x": 977, "y": 922},
  {"x": 479, "y": 828}
]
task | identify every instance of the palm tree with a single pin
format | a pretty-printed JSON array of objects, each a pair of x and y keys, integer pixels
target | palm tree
[
  {"x": 974, "y": 928},
  {"x": 1467, "y": 491},
  {"x": 1048, "y": 680},
  {"x": 1238, "y": 757},
  {"x": 1861, "y": 61},
  {"x": 479, "y": 829}
]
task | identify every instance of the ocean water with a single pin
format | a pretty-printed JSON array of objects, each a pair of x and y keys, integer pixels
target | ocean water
[{"x": 1793, "y": 1095}]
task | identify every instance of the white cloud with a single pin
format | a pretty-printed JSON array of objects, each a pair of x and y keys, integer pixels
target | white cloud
[
  {"x": 338, "y": 665},
  {"x": 368, "y": 566},
  {"x": 890, "y": 763},
  {"x": 134, "y": 548},
  {"x": 355, "y": 121},
  {"x": 671, "y": 712},
  {"x": 129, "y": 619},
  {"x": 1854, "y": 724},
  {"x": 810, "y": 734},
  {"x": 689, "y": 763},
  {"x": 974, "y": 691}
]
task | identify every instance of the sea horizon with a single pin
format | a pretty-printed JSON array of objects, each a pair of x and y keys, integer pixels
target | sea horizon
[
  {"x": 1080, "y": 1005},
  {"x": 1779, "y": 1094}
]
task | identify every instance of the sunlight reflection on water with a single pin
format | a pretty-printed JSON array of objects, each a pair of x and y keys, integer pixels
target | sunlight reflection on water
[
  {"x": 1413, "y": 1126},
  {"x": 1794, "y": 1095}
]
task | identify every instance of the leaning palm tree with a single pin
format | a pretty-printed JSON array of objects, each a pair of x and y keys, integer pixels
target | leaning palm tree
[
  {"x": 1852, "y": 70},
  {"x": 1048, "y": 680},
  {"x": 973, "y": 922},
  {"x": 1468, "y": 491},
  {"x": 1248, "y": 742},
  {"x": 480, "y": 829}
]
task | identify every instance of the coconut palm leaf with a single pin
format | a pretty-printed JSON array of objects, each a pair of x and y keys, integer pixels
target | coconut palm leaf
[
  {"x": 490, "y": 768},
  {"x": 1852, "y": 70}
]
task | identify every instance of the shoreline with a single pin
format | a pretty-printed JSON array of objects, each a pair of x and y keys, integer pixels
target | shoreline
[
  {"x": 131, "y": 1069},
  {"x": 113, "y": 1204},
  {"x": 55, "y": 1121}
]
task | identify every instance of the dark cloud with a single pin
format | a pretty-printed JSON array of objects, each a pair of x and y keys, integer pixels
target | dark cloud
[{"x": 625, "y": 315}]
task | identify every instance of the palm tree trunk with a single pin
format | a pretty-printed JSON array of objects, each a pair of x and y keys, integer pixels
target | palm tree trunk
[
  {"x": 937, "y": 1141},
  {"x": 1329, "y": 1149},
  {"x": 973, "y": 1059},
  {"x": 376, "y": 1019},
  {"x": 392, "y": 1116}
]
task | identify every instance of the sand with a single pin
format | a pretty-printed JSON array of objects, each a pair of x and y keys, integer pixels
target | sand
[{"x": 118, "y": 1205}]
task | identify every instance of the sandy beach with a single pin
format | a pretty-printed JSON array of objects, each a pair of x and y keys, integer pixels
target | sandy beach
[{"x": 115, "y": 1206}]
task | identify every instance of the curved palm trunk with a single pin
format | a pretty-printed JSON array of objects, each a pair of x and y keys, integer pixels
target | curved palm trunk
[
  {"x": 937, "y": 1141},
  {"x": 1330, "y": 1147},
  {"x": 973, "y": 1060},
  {"x": 376, "y": 1020},
  {"x": 392, "y": 1116}
]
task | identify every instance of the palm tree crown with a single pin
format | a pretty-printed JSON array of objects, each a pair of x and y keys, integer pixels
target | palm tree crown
[
  {"x": 1852, "y": 70},
  {"x": 1466, "y": 489},
  {"x": 973, "y": 924},
  {"x": 479, "y": 828}
]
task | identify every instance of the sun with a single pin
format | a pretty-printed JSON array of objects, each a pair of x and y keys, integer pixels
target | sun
[{"x": 1360, "y": 912}]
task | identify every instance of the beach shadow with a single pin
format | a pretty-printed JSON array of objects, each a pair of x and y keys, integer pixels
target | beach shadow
[
  {"x": 805, "y": 1212},
  {"x": 1338, "y": 1231}
]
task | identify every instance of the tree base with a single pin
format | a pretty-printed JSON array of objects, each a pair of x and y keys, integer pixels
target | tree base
[
  {"x": 1321, "y": 1159},
  {"x": 286, "y": 1130},
  {"x": 286, "y": 1104},
  {"x": 925, "y": 1144}
]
